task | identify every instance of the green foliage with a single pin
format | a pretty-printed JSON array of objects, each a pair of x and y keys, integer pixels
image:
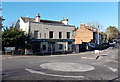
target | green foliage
[
  {"x": 13, "y": 37},
  {"x": 111, "y": 32},
  {"x": 104, "y": 37}
]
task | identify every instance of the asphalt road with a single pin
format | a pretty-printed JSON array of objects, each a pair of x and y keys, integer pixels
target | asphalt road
[{"x": 29, "y": 67}]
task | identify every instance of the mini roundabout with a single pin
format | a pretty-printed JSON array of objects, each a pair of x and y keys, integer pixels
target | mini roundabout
[{"x": 63, "y": 69}]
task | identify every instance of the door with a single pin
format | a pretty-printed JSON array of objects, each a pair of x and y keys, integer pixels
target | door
[{"x": 51, "y": 46}]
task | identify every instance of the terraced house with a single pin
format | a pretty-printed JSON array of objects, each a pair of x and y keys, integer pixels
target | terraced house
[{"x": 48, "y": 36}]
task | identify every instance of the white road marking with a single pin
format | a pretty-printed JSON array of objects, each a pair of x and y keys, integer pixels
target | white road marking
[
  {"x": 87, "y": 58},
  {"x": 38, "y": 72},
  {"x": 10, "y": 57},
  {"x": 3, "y": 58},
  {"x": 116, "y": 61},
  {"x": 111, "y": 68},
  {"x": 31, "y": 62},
  {"x": 16, "y": 57}
]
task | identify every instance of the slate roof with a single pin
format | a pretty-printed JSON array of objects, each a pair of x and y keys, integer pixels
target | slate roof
[{"x": 25, "y": 19}]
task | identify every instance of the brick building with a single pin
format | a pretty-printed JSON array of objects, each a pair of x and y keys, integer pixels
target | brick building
[{"x": 87, "y": 34}]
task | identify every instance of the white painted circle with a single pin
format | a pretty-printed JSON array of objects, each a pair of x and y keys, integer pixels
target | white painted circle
[{"x": 67, "y": 67}]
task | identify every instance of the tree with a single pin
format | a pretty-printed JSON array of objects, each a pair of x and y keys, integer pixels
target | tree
[
  {"x": 95, "y": 25},
  {"x": 13, "y": 37},
  {"x": 104, "y": 36},
  {"x": 111, "y": 32}
]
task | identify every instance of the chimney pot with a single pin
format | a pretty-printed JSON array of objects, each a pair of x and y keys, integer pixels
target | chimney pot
[
  {"x": 65, "y": 21},
  {"x": 37, "y": 19}
]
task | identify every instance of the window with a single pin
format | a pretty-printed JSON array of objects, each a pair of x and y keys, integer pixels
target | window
[
  {"x": 68, "y": 34},
  {"x": 35, "y": 34},
  {"x": 51, "y": 34},
  {"x": 60, "y": 34},
  {"x": 44, "y": 35},
  {"x": 60, "y": 46},
  {"x": 44, "y": 47}
]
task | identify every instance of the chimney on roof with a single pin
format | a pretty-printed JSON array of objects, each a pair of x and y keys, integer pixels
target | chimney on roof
[
  {"x": 37, "y": 18},
  {"x": 86, "y": 26},
  {"x": 91, "y": 28},
  {"x": 64, "y": 21},
  {"x": 82, "y": 26}
]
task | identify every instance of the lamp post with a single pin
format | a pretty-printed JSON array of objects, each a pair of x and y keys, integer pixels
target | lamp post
[{"x": 98, "y": 36}]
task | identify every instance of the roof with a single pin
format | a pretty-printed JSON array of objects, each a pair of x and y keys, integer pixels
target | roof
[
  {"x": 88, "y": 28},
  {"x": 25, "y": 19}
]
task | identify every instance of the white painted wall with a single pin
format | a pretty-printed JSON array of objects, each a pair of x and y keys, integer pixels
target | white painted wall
[
  {"x": 24, "y": 26},
  {"x": 45, "y": 28}
]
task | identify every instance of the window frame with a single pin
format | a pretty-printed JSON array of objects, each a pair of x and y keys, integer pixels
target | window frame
[
  {"x": 50, "y": 34},
  {"x": 60, "y": 35},
  {"x": 37, "y": 32},
  {"x": 68, "y": 35}
]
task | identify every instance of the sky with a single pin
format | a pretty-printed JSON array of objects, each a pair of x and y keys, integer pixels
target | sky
[{"x": 104, "y": 13}]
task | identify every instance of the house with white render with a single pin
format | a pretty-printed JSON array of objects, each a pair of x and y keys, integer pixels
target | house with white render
[{"x": 48, "y": 36}]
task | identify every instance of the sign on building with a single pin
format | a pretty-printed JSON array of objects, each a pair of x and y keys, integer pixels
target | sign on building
[{"x": 9, "y": 49}]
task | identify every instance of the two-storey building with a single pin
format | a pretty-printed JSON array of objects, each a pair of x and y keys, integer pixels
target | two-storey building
[
  {"x": 48, "y": 36},
  {"x": 87, "y": 34}
]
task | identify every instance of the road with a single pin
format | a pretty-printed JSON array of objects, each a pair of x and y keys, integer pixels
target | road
[{"x": 82, "y": 66}]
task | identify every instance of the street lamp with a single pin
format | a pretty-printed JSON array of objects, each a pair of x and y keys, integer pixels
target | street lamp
[{"x": 98, "y": 35}]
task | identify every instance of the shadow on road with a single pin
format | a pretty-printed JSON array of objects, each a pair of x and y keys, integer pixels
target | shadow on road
[{"x": 117, "y": 79}]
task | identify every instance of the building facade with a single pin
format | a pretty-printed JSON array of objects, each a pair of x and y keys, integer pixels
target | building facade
[
  {"x": 48, "y": 36},
  {"x": 87, "y": 34}
]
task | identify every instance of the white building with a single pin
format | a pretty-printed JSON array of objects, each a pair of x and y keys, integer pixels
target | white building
[{"x": 48, "y": 36}]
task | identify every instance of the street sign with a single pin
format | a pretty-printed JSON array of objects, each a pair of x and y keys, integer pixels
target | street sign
[{"x": 9, "y": 49}]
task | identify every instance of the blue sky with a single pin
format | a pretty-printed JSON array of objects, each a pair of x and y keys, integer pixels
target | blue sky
[{"x": 105, "y": 13}]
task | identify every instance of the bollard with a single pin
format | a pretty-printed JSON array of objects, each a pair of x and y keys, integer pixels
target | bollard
[{"x": 97, "y": 52}]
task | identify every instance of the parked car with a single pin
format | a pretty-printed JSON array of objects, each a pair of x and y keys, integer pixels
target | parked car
[
  {"x": 105, "y": 45},
  {"x": 89, "y": 46}
]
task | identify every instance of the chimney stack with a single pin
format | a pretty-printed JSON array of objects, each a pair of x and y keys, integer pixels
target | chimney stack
[
  {"x": 37, "y": 19},
  {"x": 65, "y": 21},
  {"x": 82, "y": 26}
]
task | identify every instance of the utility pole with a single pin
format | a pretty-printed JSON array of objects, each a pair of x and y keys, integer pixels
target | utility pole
[{"x": 98, "y": 36}]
